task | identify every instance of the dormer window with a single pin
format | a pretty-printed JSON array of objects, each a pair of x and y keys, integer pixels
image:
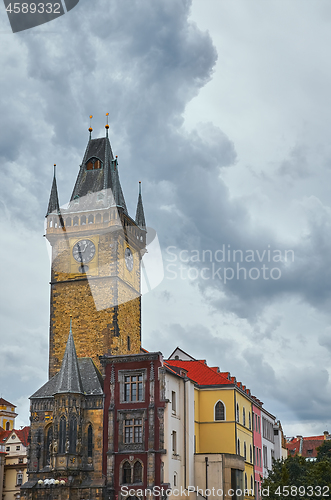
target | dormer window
[{"x": 93, "y": 164}]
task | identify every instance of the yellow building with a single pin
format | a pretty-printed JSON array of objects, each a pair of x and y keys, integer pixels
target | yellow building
[
  {"x": 15, "y": 444},
  {"x": 223, "y": 420},
  {"x": 7, "y": 415}
]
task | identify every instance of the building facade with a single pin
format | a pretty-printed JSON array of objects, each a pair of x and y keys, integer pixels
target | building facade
[{"x": 13, "y": 461}]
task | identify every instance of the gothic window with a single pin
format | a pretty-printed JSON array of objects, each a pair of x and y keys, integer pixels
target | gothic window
[
  {"x": 83, "y": 220},
  {"x": 137, "y": 472},
  {"x": 90, "y": 219},
  {"x": 106, "y": 217},
  {"x": 72, "y": 435},
  {"x": 93, "y": 164},
  {"x": 62, "y": 435},
  {"x": 68, "y": 221},
  {"x": 133, "y": 388},
  {"x": 75, "y": 221},
  {"x": 98, "y": 218},
  {"x": 48, "y": 442},
  {"x": 219, "y": 411},
  {"x": 89, "y": 441},
  {"x": 126, "y": 473},
  {"x": 133, "y": 430},
  {"x": 244, "y": 417}
]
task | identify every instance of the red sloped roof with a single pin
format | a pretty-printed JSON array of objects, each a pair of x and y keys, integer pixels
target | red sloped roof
[
  {"x": 309, "y": 445},
  {"x": 4, "y": 435},
  {"x": 23, "y": 434},
  {"x": 4, "y": 402},
  {"x": 199, "y": 372}
]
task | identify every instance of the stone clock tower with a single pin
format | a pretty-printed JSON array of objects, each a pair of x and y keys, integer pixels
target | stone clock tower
[{"x": 96, "y": 255}]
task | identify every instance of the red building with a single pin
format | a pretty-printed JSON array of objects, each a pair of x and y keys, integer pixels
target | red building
[
  {"x": 134, "y": 389},
  {"x": 306, "y": 446}
]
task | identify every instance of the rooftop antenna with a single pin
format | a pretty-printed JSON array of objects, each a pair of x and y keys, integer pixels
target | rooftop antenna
[
  {"x": 107, "y": 126},
  {"x": 90, "y": 129}
]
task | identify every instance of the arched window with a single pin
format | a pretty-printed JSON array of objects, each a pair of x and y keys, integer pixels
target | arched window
[
  {"x": 252, "y": 483},
  {"x": 238, "y": 447},
  {"x": 48, "y": 443},
  {"x": 98, "y": 218},
  {"x": 68, "y": 221},
  {"x": 137, "y": 472},
  {"x": 75, "y": 221},
  {"x": 106, "y": 217},
  {"x": 245, "y": 481},
  {"x": 245, "y": 451},
  {"x": 129, "y": 343},
  {"x": 126, "y": 479},
  {"x": 7, "y": 426},
  {"x": 90, "y": 219},
  {"x": 244, "y": 417},
  {"x": 72, "y": 435},
  {"x": 237, "y": 413},
  {"x": 62, "y": 435},
  {"x": 83, "y": 220},
  {"x": 219, "y": 411},
  {"x": 93, "y": 164},
  {"x": 250, "y": 454},
  {"x": 249, "y": 421},
  {"x": 89, "y": 441}
]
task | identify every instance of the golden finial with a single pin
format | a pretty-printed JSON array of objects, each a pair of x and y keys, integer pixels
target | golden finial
[
  {"x": 107, "y": 126},
  {"x": 90, "y": 129}
]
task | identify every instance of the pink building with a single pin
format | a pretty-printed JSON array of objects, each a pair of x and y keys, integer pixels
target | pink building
[{"x": 257, "y": 442}]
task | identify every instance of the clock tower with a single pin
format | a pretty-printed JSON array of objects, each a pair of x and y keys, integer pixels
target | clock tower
[{"x": 96, "y": 256}]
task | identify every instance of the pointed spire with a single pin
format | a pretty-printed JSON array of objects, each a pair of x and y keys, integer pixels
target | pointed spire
[
  {"x": 53, "y": 204},
  {"x": 107, "y": 125},
  {"x": 140, "y": 216},
  {"x": 69, "y": 377}
]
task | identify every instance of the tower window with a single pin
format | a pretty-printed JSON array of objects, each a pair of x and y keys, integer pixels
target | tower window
[
  {"x": 90, "y": 219},
  {"x": 75, "y": 221},
  {"x": 89, "y": 441},
  {"x": 62, "y": 436},
  {"x": 72, "y": 435},
  {"x": 68, "y": 221},
  {"x": 83, "y": 220},
  {"x": 93, "y": 164},
  {"x": 129, "y": 344},
  {"x": 98, "y": 218}
]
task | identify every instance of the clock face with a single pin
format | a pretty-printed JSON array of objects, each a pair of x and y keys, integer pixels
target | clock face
[
  {"x": 128, "y": 259},
  {"x": 83, "y": 251}
]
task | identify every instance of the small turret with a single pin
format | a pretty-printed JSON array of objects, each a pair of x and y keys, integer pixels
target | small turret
[
  {"x": 140, "y": 216},
  {"x": 53, "y": 204}
]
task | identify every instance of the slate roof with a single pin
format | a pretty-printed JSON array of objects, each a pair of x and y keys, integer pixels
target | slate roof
[
  {"x": 77, "y": 375},
  {"x": 105, "y": 178}
]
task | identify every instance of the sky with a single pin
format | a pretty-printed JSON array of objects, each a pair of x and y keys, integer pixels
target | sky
[{"x": 222, "y": 110}]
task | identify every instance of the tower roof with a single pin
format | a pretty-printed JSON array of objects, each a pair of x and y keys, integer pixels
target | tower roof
[
  {"x": 99, "y": 171},
  {"x": 69, "y": 379},
  {"x": 140, "y": 216},
  {"x": 53, "y": 204}
]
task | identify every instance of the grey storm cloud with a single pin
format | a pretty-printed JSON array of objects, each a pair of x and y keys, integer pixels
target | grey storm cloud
[{"x": 143, "y": 62}]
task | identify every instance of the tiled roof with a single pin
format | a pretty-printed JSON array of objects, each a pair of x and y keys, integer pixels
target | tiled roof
[
  {"x": 6, "y": 403},
  {"x": 199, "y": 372},
  {"x": 309, "y": 446},
  {"x": 22, "y": 435}
]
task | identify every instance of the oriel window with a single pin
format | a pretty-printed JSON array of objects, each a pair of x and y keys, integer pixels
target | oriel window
[
  {"x": 133, "y": 388},
  {"x": 133, "y": 430}
]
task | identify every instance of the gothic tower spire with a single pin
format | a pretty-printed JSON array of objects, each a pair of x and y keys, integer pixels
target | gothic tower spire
[
  {"x": 53, "y": 204},
  {"x": 140, "y": 216}
]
